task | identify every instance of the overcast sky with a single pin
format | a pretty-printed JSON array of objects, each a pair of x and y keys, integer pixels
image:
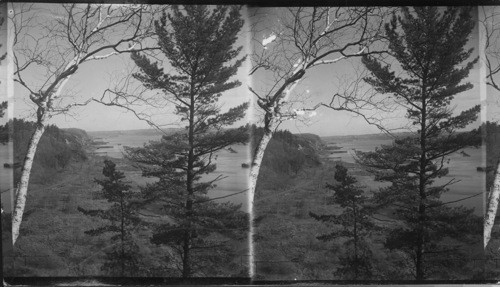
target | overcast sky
[{"x": 319, "y": 84}]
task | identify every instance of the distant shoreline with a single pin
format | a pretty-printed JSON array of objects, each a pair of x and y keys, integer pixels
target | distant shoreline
[{"x": 155, "y": 131}]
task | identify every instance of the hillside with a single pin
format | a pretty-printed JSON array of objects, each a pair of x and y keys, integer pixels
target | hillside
[
  {"x": 286, "y": 240},
  {"x": 143, "y": 132},
  {"x": 77, "y": 136},
  {"x": 56, "y": 148},
  {"x": 378, "y": 136},
  {"x": 53, "y": 241},
  {"x": 313, "y": 140},
  {"x": 286, "y": 155}
]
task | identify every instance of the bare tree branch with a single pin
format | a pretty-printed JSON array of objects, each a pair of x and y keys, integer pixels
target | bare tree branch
[
  {"x": 489, "y": 28},
  {"x": 287, "y": 44},
  {"x": 51, "y": 43}
]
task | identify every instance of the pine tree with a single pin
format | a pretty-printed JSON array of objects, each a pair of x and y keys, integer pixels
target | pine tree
[
  {"x": 122, "y": 219},
  {"x": 197, "y": 41},
  {"x": 355, "y": 225},
  {"x": 429, "y": 45},
  {"x": 3, "y": 107}
]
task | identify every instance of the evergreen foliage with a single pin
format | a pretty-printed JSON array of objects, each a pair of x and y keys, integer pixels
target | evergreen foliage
[
  {"x": 197, "y": 42},
  {"x": 3, "y": 107},
  {"x": 287, "y": 153},
  {"x": 355, "y": 225},
  {"x": 4, "y": 131},
  {"x": 429, "y": 45},
  {"x": 56, "y": 148},
  {"x": 122, "y": 258}
]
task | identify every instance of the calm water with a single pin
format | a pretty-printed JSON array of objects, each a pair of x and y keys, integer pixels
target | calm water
[
  {"x": 460, "y": 167},
  {"x": 228, "y": 164}
]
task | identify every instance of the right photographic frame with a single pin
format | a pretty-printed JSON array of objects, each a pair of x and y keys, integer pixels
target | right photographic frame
[{"x": 374, "y": 125}]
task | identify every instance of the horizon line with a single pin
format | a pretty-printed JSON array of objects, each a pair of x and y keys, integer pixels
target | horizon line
[{"x": 153, "y": 129}]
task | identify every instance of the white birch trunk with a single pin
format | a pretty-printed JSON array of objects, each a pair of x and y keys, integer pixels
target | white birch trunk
[
  {"x": 257, "y": 161},
  {"x": 254, "y": 174},
  {"x": 491, "y": 211},
  {"x": 22, "y": 188},
  {"x": 259, "y": 155}
]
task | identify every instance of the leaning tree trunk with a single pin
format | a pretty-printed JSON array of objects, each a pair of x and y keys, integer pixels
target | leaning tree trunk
[
  {"x": 492, "y": 208},
  {"x": 254, "y": 174},
  {"x": 22, "y": 188},
  {"x": 271, "y": 123},
  {"x": 43, "y": 101},
  {"x": 257, "y": 160}
]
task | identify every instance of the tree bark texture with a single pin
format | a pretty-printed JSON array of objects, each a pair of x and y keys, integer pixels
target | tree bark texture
[
  {"x": 492, "y": 208},
  {"x": 254, "y": 174},
  {"x": 22, "y": 188}
]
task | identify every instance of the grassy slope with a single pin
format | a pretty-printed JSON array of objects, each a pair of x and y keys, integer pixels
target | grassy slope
[
  {"x": 285, "y": 239},
  {"x": 285, "y": 234},
  {"x": 52, "y": 241}
]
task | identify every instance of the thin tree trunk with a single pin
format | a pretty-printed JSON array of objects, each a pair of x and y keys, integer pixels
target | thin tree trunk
[
  {"x": 1, "y": 247},
  {"x": 423, "y": 196},
  {"x": 420, "y": 246},
  {"x": 122, "y": 234},
  {"x": 254, "y": 174},
  {"x": 186, "y": 260},
  {"x": 42, "y": 116},
  {"x": 22, "y": 188},
  {"x": 355, "y": 243},
  {"x": 257, "y": 160},
  {"x": 492, "y": 209},
  {"x": 271, "y": 122}
]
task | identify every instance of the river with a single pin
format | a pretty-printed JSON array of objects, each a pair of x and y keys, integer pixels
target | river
[
  {"x": 461, "y": 167},
  {"x": 235, "y": 178}
]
